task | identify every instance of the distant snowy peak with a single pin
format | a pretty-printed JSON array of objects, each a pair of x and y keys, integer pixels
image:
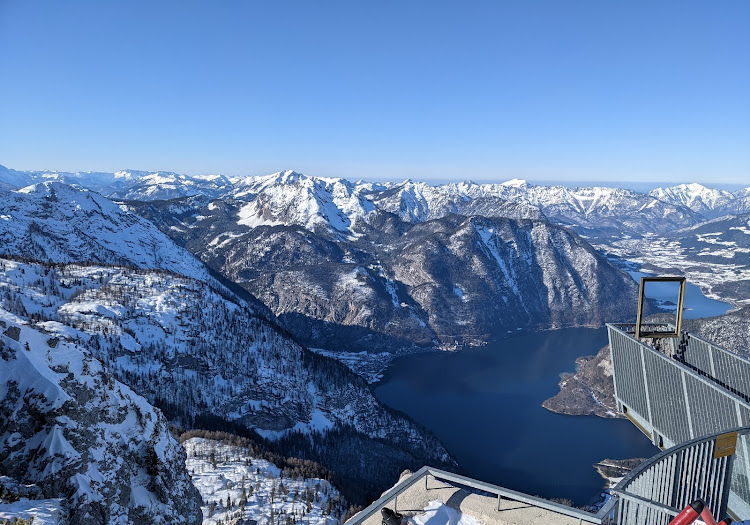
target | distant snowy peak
[
  {"x": 94, "y": 180},
  {"x": 13, "y": 178},
  {"x": 290, "y": 198},
  {"x": 516, "y": 183},
  {"x": 706, "y": 201},
  {"x": 125, "y": 184},
  {"x": 418, "y": 201},
  {"x": 741, "y": 203},
  {"x": 158, "y": 185},
  {"x": 595, "y": 211},
  {"x": 55, "y": 222}
]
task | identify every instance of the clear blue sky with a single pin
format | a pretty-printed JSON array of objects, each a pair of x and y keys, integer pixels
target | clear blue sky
[{"x": 558, "y": 89}]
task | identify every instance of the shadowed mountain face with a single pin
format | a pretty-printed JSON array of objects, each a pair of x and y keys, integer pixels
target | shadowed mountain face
[{"x": 371, "y": 280}]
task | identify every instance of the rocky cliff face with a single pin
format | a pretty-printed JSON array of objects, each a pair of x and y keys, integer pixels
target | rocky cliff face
[
  {"x": 383, "y": 282},
  {"x": 74, "y": 432}
]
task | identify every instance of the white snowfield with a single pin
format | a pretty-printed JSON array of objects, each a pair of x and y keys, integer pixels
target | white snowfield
[
  {"x": 438, "y": 513},
  {"x": 236, "y": 487},
  {"x": 42, "y": 512}
]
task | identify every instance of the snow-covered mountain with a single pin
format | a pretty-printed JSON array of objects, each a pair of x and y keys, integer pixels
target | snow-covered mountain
[
  {"x": 14, "y": 179},
  {"x": 742, "y": 201},
  {"x": 289, "y": 198},
  {"x": 709, "y": 202},
  {"x": 418, "y": 202},
  {"x": 388, "y": 283},
  {"x": 55, "y": 222},
  {"x": 144, "y": 185},
  {"x": 205, "y": 358},
  {"x": 93, "y": 180},
  {"x": 124, "y": 184},
  {"x": 112, "y": 282},
  {"x": 595, "y": 211},
  {"x": 87, "y": 446}
]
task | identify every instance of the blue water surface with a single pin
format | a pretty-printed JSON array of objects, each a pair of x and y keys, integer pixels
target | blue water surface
[
  {"x": 485, "y": 405},
  {"x": 696, "y": 304}
]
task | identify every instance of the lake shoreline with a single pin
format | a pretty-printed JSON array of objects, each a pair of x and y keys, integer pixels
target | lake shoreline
[{"x": 485, "y": 406}]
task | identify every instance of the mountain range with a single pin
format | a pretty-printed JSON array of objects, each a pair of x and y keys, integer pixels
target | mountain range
[
  {"x": 593, "y": 211},
  {"x": 132, "y": 299},
  {"x": 341, "y": 271}
]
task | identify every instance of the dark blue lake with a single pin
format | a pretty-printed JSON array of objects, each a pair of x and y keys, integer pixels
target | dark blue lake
[{"x": 485, "y": 405}]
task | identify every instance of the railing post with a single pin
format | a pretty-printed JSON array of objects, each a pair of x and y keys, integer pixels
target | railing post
[{"x": 727, "y": 481}]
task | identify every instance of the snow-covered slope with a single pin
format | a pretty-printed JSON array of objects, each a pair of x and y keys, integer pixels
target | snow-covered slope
[
  {"x": 70, "y": 429},
  {"x": 14, "y": 179},
  {"x": 205, "y": 358},
  {"x": 741, "y": 203},
  {"x": 418, "y": 202},
  {"x": 124, "y": 184},
  {"x": 59, "y": 223},
  {"x": 236, "y": 485},
  {"x": 148, "y": 186},
  {"x": 290, "y": 198},
  {"x": 708, "y": 202}
]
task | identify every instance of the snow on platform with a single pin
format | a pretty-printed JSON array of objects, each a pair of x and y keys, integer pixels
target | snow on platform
[{"x": 420, "y": 506}]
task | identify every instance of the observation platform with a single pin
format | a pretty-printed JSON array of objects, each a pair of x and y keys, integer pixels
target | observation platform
[{"x": 490, "y": 504}]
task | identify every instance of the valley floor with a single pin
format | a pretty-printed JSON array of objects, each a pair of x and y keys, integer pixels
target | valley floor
[{"x": 723, "y": 281}]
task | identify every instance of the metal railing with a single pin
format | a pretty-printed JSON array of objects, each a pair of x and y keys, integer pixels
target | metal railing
[
  {"x": 688, "y": 388},
  {"x": 726, "y": 368},
  {"x": 657, "y": 490},
  {"x": 604, "y": 516}
]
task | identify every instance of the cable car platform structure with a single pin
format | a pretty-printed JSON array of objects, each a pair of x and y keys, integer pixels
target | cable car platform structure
[{"x": 689, "y": 396}]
